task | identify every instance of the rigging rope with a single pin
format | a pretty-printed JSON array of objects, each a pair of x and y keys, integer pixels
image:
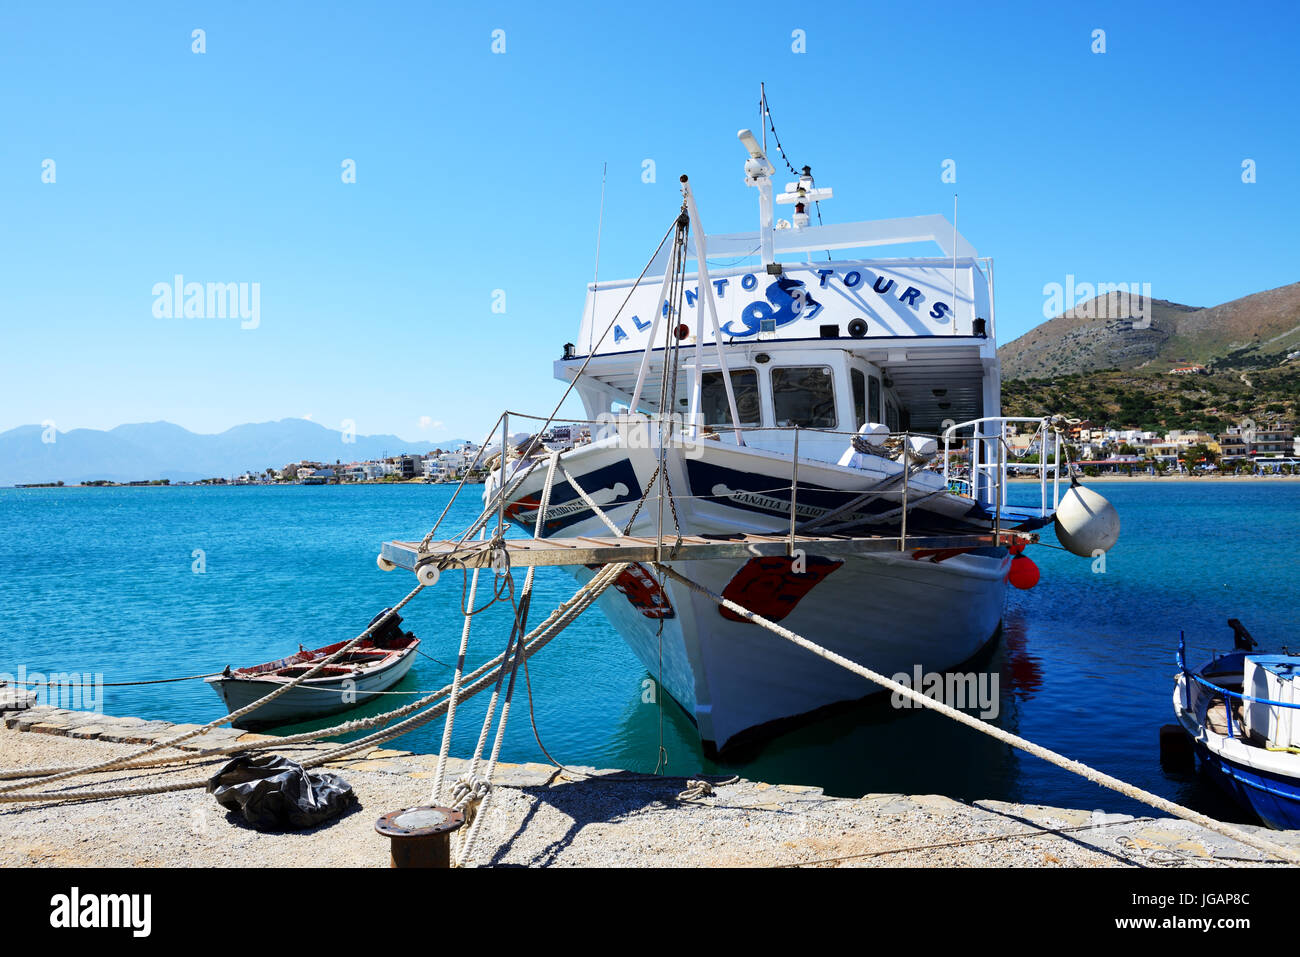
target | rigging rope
[
  {"x": 478, "y": 680},
  {"x": 234, "y": 715},
  {"x": 1015, "y": 741},
  {"x": 111, "y": 684}
]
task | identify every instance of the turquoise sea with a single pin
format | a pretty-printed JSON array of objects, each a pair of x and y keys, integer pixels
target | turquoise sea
[{"x": 103, "y": 580}]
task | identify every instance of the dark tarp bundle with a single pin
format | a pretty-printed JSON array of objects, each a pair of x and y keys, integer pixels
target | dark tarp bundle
[{"x": 275, "y": 794}]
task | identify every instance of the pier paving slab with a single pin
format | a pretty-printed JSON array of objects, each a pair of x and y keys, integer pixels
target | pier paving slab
[
  {"x": 89, "y": 731},
  {"x": 539, "y": 816}
]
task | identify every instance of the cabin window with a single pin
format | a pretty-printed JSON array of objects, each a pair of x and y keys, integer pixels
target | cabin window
[
  {"x": 873, "y": 395},
  {"x": 891, "y": 417},
  {"x": 804, "y": 396},
  {"x": 713, "y": 397},
  {"x": 859, "y": 397}
]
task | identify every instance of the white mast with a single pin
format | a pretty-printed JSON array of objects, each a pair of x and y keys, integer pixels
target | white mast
[
  {"x": 758, "y": 172},
  {"x": 706, "y": 299}
]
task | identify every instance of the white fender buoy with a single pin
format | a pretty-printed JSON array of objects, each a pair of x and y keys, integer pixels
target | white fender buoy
[
  {"x": 921, "y": 449},
  {"x": 384, "y": 564},
  {"x": 1086, "y": 523},
  {"x": 872, "y": 434}
]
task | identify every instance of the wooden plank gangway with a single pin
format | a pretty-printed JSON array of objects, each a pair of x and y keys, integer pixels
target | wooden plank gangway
[{"x": 585, "y": 550}]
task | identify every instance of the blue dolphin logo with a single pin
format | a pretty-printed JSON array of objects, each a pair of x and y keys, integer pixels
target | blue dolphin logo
[{"x": 787, "y": 300}]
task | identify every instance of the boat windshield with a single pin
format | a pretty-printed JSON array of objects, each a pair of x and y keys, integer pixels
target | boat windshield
[
  {"x": 713, "y": 397},
  {"x": 804, "y": 396}
]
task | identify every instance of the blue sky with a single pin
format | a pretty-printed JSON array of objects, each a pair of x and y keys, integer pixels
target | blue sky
[{"x": 478, "y": 171}]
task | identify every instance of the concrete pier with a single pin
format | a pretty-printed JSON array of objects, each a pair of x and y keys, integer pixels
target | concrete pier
[{"x": 540, "y": 816}]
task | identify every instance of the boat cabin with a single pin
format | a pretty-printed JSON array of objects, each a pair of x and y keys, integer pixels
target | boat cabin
[
  {"x": 804, "y": 340},
  {"x": 825, "y": 346}
]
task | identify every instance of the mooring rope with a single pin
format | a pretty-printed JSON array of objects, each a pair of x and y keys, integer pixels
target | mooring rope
[
  {"x": 111, "y": 684},
  {"x": 233, "y": 716},
  {"x": 478, "y": 680},
  {"x": 1023, "y": 744},
  {"x": 537, "y": 639},
  {"x": 445, "y": 749},
  {"x": 470, "y": 789}
]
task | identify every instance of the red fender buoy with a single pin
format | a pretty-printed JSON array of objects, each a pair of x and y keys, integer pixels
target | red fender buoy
[{"x": 1023, "y": 573}]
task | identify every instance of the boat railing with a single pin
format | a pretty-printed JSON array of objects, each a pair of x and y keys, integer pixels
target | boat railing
[
  {"x": 987, "y": 447},
  {"x": 678, "y": 429},
  {"x": 1190, "y": 677},
  {"x": 510, "y": 464}
]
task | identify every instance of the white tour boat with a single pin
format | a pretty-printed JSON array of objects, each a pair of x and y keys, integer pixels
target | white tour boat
[{"x": 789, "y": 393}]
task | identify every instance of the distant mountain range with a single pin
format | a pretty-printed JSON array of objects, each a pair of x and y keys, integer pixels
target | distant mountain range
[
  {"x": 1250, "y": 332},
  {"x": 161, "y": 450}
]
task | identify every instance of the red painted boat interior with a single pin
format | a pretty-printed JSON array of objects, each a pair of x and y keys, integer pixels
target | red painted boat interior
[{"x": 367, "y": 655}]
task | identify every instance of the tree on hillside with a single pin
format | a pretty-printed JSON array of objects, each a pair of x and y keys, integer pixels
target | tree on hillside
[{"x": 1200, "y": 455}]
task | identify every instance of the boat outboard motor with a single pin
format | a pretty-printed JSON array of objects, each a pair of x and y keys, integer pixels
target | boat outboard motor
[
  {"x": 1242, "y": 640},
  {"x": 391, "y": 631},
  {"x": 870, "y": 440}
]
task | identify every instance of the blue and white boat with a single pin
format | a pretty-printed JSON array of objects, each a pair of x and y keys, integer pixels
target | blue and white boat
[{"x": 1242, "y": 712}]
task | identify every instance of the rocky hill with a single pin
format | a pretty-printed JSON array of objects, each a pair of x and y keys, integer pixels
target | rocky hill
[{"x": 1119, "y": 331}]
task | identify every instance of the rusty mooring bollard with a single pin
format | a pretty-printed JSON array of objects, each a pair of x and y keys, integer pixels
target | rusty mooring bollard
[{"x": 420, "y": 836}]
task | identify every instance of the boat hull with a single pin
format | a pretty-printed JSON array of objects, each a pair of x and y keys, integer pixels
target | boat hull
[
  {"x": 739, "y": 682},
  {"x": 1263, "y": 782},
  {"x": 1274, "y": 799},
  {"x": 313, "y": 698}
]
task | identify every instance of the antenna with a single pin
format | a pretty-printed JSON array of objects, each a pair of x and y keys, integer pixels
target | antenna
[
  {"x": 762, "y": 112},
  {"x": 595, "y": 279},
  {"x": 954, "y": 264}
]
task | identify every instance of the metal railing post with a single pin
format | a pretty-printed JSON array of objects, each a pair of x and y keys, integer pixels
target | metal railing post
[
  {"x": 907, "y": 468},
  {"x": 1056, "y": 473},
  {"x": 501, "y": 491},
  {"x": 946, "y": 435},
  {"x": 1042, "y": 469},
  {"x": 794, "y": 487},
  {"x": 1001, "y": 492}
]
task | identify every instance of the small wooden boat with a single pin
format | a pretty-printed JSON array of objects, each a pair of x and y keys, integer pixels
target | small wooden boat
[
  {"x": 372, "y": 665},
  {"x": 1242, "y": 712}
]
